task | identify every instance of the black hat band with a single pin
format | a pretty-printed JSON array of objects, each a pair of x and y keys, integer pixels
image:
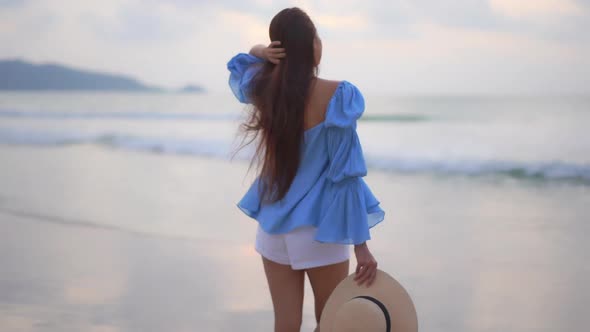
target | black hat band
[{"x": 382, "y": 307}]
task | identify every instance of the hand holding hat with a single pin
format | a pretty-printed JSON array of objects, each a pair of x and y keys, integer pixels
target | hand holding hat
[
  {"x": 383, "y": 307},
  {"x": 366, "y": 268}
]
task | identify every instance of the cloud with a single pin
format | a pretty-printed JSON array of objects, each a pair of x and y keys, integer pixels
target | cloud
[
  {"x": 473, "y": 14},
  {"x": 12, "y": 3},
  {"x": 536, "y": 8},
  {"x": 140, "y": 23},
  {"x": 558, "y": 20},
  {"x": 249, "y": 27},
  {"x": 397, "y": 45},
  {"x": 20, "y": 25},
  {"x": 342, "y": 22}
]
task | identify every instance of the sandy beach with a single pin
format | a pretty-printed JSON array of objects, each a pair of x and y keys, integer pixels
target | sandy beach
[
  {"x": 120, "y": 168},
  {"x": 112, "y": 240}
]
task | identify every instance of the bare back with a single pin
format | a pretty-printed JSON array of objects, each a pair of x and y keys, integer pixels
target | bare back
[{"x": 321, "y": 92}]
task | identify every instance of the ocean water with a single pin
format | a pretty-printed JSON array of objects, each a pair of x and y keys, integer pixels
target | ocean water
[
  {"x": 104, "y": 195},
  {"x": 533, "y": 138}
]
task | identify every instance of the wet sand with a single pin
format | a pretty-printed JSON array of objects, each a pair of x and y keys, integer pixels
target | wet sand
[{"x": 95, "y": 239}]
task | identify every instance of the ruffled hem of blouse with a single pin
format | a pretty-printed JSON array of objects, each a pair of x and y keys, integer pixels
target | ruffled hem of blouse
[
  {"x": 346, "y": 219},
  {"x": 358, "y": 212},
  {"x": 249, "y": 212}
]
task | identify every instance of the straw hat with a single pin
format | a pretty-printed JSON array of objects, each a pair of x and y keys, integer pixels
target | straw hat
[{"x": 385, "y": 306}]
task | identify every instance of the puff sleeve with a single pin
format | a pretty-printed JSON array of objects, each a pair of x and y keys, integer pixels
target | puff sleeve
[
  {"x": 353, "y": 209},
  {"x": 242, "y": 68}
]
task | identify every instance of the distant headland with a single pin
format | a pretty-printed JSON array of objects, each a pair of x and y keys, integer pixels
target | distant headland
[{"x": 17, "y": 74}]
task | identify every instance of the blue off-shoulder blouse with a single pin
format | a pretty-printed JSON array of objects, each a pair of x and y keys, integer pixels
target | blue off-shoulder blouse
[{"x": 328, "y": 191}]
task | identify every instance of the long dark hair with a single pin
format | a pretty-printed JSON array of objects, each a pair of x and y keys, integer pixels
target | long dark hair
[{"x": 280, "y": 94}]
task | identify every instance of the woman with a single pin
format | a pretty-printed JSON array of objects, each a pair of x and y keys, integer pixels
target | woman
[{"x": 309, "y": 198}]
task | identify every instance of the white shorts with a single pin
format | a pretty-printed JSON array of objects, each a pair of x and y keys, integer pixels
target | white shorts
[{"x": 299, "y": 249}]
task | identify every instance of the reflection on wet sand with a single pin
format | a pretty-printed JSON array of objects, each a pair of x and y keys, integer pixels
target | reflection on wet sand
[
  {"x": 67, "y": 278},
  {"x": 475, "y": 255},
  {"x": 501, "y": 258}
]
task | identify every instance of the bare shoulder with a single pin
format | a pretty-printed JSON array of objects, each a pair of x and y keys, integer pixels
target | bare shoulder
[
  {"x": 322, "y": 92},
  {"x": 324, "y": 89},
  {"x": 327, "y": 84}
]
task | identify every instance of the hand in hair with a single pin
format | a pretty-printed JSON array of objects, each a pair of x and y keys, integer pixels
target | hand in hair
[{"x": 270, "y": 52}]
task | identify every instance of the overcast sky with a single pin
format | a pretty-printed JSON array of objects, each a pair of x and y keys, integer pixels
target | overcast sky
[{"x": 398, "y": 46}]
